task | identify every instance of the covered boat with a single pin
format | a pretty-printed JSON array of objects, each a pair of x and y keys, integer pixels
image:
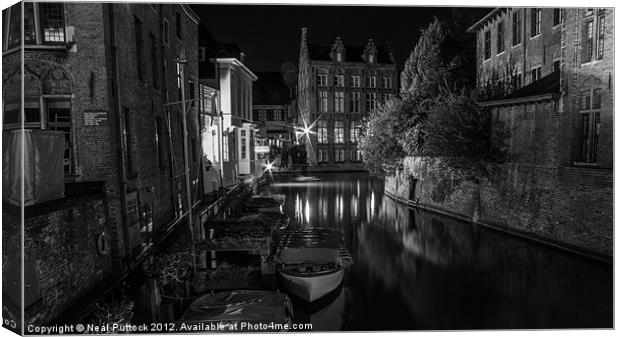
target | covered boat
[
  {"x": 264, "y": 204},
  {"x": 239, "y": 310},
  {"x": 311, "y": 262}
]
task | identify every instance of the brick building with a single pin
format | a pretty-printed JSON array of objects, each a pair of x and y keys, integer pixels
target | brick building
[
  {"x": 546, "y": 73},
  {"x": 107, "y": 76},
  {"x": 272, "y": 108},
  {"x": 339, "y": 84}
]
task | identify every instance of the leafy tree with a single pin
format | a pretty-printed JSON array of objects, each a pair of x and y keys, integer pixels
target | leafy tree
[
  {"x": 462, "y": 133},
  {"x": 378, "y": 142}
]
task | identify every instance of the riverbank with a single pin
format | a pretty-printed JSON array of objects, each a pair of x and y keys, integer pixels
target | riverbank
[{"x": 546, "y": 205}]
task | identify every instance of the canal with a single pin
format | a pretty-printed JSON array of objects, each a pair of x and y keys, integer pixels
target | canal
[{"x": 419, "y": 270}]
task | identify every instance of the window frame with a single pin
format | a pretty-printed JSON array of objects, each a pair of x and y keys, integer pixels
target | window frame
[
  {"x": 500, "y": 43},
  {"x": 535, "y": 26},
  {"x": 590, "y": 143},
  {"x": 486, "y": 35},
  {"x": 38, "y": 29},
  {"x": 516, "y": 27}
]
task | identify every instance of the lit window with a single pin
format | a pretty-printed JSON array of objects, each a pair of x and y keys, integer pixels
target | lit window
[
  {"x": 322, "y": 101},
  {"x": 355, "y": 81},
  {"x": 354, "y": 132},
  {"x": 339, "y": 132},
  {"x": 339, "y": 80},
  {"x": 322, "y": 78},
  {"x": 387, "y": 82},
  {"x": 50, "y": 23},
  {"x": 339, "y": 101},
  {"x": 371, "y": 80},
  {"x": 322, "y": 132}
]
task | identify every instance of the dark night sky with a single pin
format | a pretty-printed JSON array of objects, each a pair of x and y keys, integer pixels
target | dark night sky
[{"x": 269, "y": 34}]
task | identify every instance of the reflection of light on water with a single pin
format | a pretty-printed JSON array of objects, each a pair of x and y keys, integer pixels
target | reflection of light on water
[
  {"x": 340, "y": 207},
  {"x": 372, "y": 203},
  {"x": 307, "y": 211},
  {"x": 298, "y": 216},
  {"x": 354, "y": 205}
]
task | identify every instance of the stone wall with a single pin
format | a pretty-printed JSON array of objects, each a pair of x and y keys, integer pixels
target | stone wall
[{"x": 570, "y": 207}]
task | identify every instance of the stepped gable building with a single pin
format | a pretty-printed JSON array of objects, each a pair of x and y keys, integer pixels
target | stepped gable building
[
  {"x": 108, "y": 77},
  {"x": 338, "y": 84},
  {"x": 547, "y": 76}
]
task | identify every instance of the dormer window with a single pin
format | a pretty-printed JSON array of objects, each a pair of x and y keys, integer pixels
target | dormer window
[
  {"x": 339, "y": 56},
  {"x": 371, "y": 58},
  {"x": 43, "y": 24}
]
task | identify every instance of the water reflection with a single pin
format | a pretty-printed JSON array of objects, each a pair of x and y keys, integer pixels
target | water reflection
[{"x": 418, "y": 270}]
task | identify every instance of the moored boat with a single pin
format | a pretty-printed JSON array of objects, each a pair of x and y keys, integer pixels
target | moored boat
[
  {"x": 239, "y": 310},
  {"x": 311, "y": 262}
]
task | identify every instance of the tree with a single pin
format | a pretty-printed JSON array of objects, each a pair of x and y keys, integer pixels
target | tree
[
  {"x": 378, "y": 142},
  {"x": 462, "y": 134}
]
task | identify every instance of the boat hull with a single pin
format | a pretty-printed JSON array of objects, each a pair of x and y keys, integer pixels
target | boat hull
[{"x": 311, "y": 288}]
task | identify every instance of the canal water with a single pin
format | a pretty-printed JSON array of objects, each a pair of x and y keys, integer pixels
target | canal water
[{"x": 419, "y": 270}]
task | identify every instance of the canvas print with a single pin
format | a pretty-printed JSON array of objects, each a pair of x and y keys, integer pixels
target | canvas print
[{"x": 207, "y": 168}]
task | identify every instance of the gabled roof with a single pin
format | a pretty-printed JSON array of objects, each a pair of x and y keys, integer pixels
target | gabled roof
[{"x": 321, "y": 52}]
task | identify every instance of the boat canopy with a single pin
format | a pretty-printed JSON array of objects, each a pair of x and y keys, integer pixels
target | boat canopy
[{"x": 314, "y": 255}]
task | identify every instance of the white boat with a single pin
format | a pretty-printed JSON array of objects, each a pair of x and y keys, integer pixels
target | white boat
[
  {"x": 303, "y": 179},
  {"x": 311, "y": 262}
]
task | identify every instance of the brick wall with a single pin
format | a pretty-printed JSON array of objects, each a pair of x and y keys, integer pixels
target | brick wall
[{"x": 61, "y": 253}]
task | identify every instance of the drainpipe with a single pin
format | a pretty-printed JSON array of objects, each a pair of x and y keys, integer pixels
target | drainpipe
[
  {"x": 116, "y": 91},
  {"x": 190, "y": 209}
]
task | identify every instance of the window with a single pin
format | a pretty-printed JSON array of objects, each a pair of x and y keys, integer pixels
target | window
[
  {"x": 387, "y": 82},
  {"x": 43, "y": 24},
  {"x": 556, "y": 65},
  {"x": 536, "y": 21},
  {"x": 339, "y": 154},
  {"x": 338, "y": 132},
  {"x": 371, "y": 102},
  {"x": 385, "y": 97},
  {"x": 322, "y": 132},
  {"x": 600, "y": 47},
  {"x": 339, "y": 101},
  {"x": 339, "y": 80},
  {"x": 179, "y": 25},
  {"x": 516, "y": 27},
  {"x": 322, "y": 79},
  {"x": 179, "y": 79},
  {"x": 590, "y": 106},
  {"x": 339, "y": 57},
  {"x": 354, "y": 132},
  {"x": 355, "y": 155},
  {"x": 159, "y": 142},
  {"x": 59, "y": 119},
  {"x": 322, "y": 101},
  {"x": 355, "y": 81},
  {"x": 244, "y": 151},
  {"x": 588, "y": 41},
  {"x": 371, "y": 58},
  {"x": 371, "y": 80},
  {"x": 225, "y": 146},
  {"x": 322, "y": 155},
  {"x": 487, "y": 45},
  {"x": 535, "y": 73},
  {"x": 166, "y": 32},
  {"x": 557, "y": 16},
  {"x": 52, "y": 22},
  {"x": 154, "y": 61},
  {"x": 500, "y": 37},
  {"x": 354, "y": 104}
]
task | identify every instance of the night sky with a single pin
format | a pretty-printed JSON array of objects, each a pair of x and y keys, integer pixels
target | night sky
[{"x": 269, "y": 34}]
